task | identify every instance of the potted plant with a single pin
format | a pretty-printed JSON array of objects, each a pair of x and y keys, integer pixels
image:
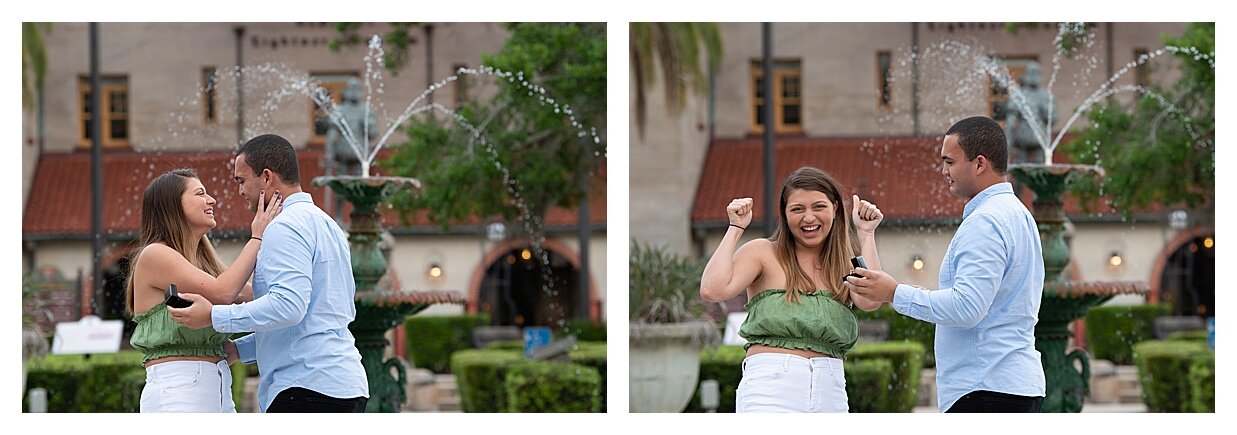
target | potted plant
[{"x": 668, "y": 329}]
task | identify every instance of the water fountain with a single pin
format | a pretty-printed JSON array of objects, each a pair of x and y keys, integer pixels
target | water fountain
[
  {"x": 377, "y": 310},
  {"x": 1067, "y": 375}
]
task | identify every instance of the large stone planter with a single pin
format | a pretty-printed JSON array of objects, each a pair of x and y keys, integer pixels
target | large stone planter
[{"x": 665, "y": 364}]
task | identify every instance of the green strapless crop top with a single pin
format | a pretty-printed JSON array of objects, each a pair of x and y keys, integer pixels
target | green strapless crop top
[
  {"x": 817, "y": 322},
  {"x": 158, "y": 336}
]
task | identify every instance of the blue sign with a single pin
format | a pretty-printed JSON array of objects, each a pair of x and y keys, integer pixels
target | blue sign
[
  {"x": 535, "y": 337},
  {"x": 1211, "y": 332}
]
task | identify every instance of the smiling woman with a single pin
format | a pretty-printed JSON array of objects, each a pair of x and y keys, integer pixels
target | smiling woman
[
  {"x": 799, "y": 323},
  {"x": 199, "y": 206},
  {"x": 177, "y": 212}
]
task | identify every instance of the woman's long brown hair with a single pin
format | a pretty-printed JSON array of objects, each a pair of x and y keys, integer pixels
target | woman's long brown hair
[
  {"x": 835, "y": 252},
  {"x": 164, "y": 221}
]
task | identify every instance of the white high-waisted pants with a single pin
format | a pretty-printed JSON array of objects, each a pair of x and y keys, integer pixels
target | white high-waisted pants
[
  {"x": 777, "y": 382},
  {"x": 188, "y": 386}
]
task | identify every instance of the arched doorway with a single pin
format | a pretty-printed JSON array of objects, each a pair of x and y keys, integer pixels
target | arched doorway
[
  {"x": 115, "y": 279},
  {"x": 516, "y": 288},
  {"x": 1188, "y": 277}
]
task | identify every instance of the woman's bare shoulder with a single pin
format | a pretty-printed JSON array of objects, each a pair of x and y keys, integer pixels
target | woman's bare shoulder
[
  {"x": 157, "y": 255},
  {"x": 758, "y": 246}
]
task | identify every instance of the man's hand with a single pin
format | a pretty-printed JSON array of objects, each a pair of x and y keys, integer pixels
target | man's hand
[
  {"x": 196, "y": 316},
  {"x": 234, "y": 355},
  {"x": 875, "y": 285}
]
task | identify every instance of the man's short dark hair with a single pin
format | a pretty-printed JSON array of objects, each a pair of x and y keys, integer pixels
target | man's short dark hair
[
  {"x": 980, "y": 135},
  {"x": 270, "y": 151}
]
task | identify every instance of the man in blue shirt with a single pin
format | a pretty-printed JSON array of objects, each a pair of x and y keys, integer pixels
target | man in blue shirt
[
  {"x": 991, "y": 282},
  {"x": 303, "y": 295}
]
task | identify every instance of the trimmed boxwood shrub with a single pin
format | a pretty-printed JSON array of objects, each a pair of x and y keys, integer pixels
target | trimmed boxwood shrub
[
  {"x": 592, "y": 354},
  {"x": 479, "y": 376},
  {"x": 432, "y": 339},
  {"x": 516, "y": 345},
  {"x": 868, "y": 384},
  {"x": 906, "y": 358},
  {"x": 723, "y": 364},
  {"x": 1203, "y": 382},
  {"x": 584, "y": 330},
  {"x": 101, "y": 383},
  {"x": 543, "y": 386},
  {"x": 1113, "y": 330},
  {"x": 1163, "y": 373},
  {"x": 904, "y": 328},
  {"x": 1198, "y": 336},
  {"x": 131, "y": 384},
  {"x": 240, "y": 371}
]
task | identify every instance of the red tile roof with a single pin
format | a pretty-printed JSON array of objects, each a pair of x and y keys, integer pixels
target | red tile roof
[
  {"x": 59, "y": 202},
  {"x": 901, "y": 175}
]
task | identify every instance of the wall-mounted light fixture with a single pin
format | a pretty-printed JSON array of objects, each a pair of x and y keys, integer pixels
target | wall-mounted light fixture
[
  {"x": 526, "y": 254},
  {"x": 434, "y": 273},
  {"x": 917, "y": 262},
  {"x": 1115, "y": 260},
  {"x": 1209, "y": 242}
]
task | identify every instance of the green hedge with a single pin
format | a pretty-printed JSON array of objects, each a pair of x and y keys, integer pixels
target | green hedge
[
  {"x": 592, "y": 354},
  {"x": 904, "y": 328},
  {"x": 906, "y": 358},
  {"x": 240, "y": 371},
  {"x": 101, "y": 383},
  {"x": 1203, "y": 382},
  {"x": 1198, "y": 336},
  {"x": 432, "y": 339},
  {"x": 723, "y": 364},
  {"x": 1113, "y": 330},
  {"x": 479, "y": 375},
  {"x": 584, "y": 330},
  {"x": 516, "y": 345},
  {"x": 542, "y": 386},
  {"x": 131, "y": 384},
  {"x": 1163, "y": 373},
  {"x": 868, "y": 384}
]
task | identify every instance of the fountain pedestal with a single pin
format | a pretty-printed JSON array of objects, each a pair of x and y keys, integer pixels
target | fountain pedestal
[
  {"x": 378, "y": 311},
  {"x": 1067, "y": 375}
]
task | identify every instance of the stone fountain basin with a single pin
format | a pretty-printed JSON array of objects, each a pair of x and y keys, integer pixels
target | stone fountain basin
[
  {"x": 371, "y": 181},
  {"x": 385, "y": 310},
  {"x": 1050, "y": 181},
  {"x": 1057, "y": 168},
  {"x": 1069, "y": 300},
  {"x": 365, "y": 193}
]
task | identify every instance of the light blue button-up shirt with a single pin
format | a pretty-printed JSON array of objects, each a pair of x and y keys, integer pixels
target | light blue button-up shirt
[
  {"x": 992, "y": 279},
  {"x": 303, "y": 302}
]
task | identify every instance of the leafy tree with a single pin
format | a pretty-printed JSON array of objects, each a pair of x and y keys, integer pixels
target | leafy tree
[
  {"x": 547, "y": 160},
  {"x": 1158, "y": 151},
  {"x": 33, "y": 61},
  {"x": 676, "y": 48},
  {"x": 395, "y": 42},
  {"x": 1072, "y": 37}
]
